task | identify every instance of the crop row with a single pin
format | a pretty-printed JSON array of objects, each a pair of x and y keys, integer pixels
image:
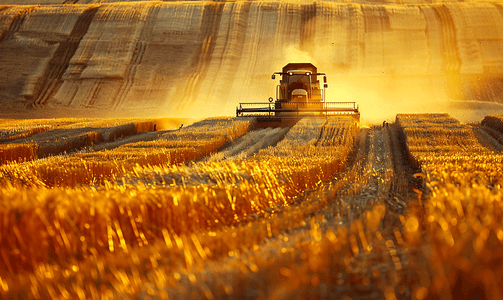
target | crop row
[
  {"x": 96, "y": 167},
  {"x": 226, "y": 261},
  {"x": 493, "y": 121},
  {"x": 39, "y": 139},
  {"x": 304, "y": 158},
  {"x": 439, "y": 138},
  {"x": 165, "y": 264},
  {"x": 464, "y": 214},
  {"x": 69, "y": 222}
]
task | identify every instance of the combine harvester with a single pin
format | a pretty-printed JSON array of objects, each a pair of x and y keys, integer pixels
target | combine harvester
[{"x": 298, "y": 94}]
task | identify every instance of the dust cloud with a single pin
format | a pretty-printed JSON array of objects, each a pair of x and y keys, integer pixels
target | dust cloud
[
  {"x": 388, "y": 60},
  {"x": 380, "y": 97}
]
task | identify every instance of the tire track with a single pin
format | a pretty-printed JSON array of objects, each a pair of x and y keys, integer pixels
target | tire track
[
  {"x": 382, "y": 176},
  {"x": 250, "y": 143},
  {"x": 61, "y": 59}
]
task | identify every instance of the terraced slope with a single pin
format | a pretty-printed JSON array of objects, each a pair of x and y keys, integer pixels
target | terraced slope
[{"x": 201, "y": 58}]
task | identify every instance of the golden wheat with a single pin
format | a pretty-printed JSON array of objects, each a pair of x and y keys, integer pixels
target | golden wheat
[
  {"x": 147, "y": 231},
  {"x": 463, "y": 216},
  {"x": 187, "y": 144}
]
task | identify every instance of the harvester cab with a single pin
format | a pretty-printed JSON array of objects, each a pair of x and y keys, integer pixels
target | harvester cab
[
  {"x": 299, "y": 93},
  {"x": 299, "y": 83}
]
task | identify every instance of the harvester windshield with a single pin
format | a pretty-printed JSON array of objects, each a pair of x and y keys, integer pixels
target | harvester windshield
[{"x": 299, "y": 81}]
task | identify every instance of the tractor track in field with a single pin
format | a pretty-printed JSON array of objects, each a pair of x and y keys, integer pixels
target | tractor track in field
[
  {"x": 250, "y": 143},
  {"x": 379, "y": 177},
  {"x": 240, "y": 148}
]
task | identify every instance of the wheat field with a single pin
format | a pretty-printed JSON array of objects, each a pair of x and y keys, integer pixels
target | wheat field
[{"x": 220, "y": 210}]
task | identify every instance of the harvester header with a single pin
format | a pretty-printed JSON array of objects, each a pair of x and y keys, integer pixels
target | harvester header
[{"x": 298, "y": 93}]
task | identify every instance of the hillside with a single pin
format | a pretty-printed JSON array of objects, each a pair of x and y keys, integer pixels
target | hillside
[{"x": 199, "y": 58}]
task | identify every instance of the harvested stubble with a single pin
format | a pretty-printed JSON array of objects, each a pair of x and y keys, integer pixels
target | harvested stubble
[
  {"x": 69, "y": 135},
  {"x": 463, "y": 217},
  {"x": 190, "y": 143}
]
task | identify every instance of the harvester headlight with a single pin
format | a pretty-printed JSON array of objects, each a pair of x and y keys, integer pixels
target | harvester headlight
[{"x": 290, "y": 73}]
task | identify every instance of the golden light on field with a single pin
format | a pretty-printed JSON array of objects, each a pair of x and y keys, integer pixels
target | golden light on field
[
  {"x": 144, "y": 207},
  {"x": 162, "y": 195},
  {"x": 320, "y": 212}
]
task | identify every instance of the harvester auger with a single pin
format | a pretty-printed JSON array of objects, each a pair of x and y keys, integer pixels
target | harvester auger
[{"x": 298, "y": 94}]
